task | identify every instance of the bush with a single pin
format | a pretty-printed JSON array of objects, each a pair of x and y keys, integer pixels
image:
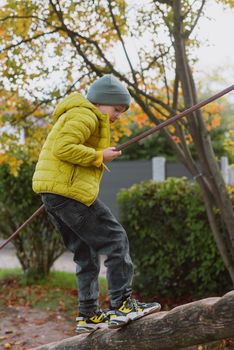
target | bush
[
  {"x": 38, "y": 245},
  {"x": 170, "y": 239}
]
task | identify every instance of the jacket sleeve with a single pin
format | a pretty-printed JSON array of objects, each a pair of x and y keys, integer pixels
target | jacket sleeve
[{"x": 69, "y": 144}]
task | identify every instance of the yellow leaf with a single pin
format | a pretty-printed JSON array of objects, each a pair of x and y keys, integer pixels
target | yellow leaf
[{"x": 7, "y": 345}]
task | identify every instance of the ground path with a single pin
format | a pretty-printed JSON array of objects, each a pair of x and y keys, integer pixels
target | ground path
[{"x": 24, "y": 328}]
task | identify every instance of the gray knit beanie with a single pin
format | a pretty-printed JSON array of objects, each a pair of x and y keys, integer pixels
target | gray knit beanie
[{"x": 109, "y": 91}]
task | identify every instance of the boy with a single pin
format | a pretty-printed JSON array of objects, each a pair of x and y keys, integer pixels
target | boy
[{"x": 67, "y": 176}]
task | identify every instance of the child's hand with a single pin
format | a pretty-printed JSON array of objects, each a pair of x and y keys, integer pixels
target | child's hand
[{"x": 109, "y": 154}]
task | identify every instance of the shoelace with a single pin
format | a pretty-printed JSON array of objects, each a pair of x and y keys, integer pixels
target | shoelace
[{"x": 133, "y": 302}]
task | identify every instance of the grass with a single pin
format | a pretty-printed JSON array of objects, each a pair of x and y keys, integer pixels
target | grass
[
  {"x": 55, "y": 279},
  {"x": 57, "y": 292},
  {"x": 8, "y": 273}
]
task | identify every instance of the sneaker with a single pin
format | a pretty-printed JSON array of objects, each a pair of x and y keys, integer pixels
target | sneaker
[
  {"x": 87, "y": 324},
  {"x": 130, "y": 309}
]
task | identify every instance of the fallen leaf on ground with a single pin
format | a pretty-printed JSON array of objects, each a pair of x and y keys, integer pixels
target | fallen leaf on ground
[{"x": 39, "y": 322}]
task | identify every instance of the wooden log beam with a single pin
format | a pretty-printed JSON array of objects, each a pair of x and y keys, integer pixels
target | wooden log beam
[{"x": 195, "y": 323}]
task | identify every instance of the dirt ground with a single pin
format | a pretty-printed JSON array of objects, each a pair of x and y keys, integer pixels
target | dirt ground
[
  {"x": 24, "y": 324},
  {"x": 24, "y": 328}
]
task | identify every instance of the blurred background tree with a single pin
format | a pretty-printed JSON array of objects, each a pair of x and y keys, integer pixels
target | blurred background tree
[
  {"x": 38, "y": 245},
  {"x": 52, "y": 48}
]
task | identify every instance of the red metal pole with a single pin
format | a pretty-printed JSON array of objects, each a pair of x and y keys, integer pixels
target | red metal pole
[
  {"x": 175, "y": 118},
  {"x": 134, "y": 140},
  {"x": 37, "y": 212}
]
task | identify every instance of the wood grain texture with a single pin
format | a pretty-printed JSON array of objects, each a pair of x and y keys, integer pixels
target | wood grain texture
[{"x": 195, "y": 323}]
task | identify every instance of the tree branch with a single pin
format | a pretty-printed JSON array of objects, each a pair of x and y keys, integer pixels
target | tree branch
[
  {"x": 190, "y": 6},
  {"x": 167, "y": 2},
  {"x": 165, "y": 79},
  {"x": 188, "y": 33},
  {"x": 41, "y": 103},
  {"x": 26, "y": 17},
  {"x": 195, "y": 323},
  {"x": 189, "y": 162},
  {"x": 109, "y": 67},
  {"x": 152, "y": 117},
  {"x": 155, "y": 59},
  {"x": 29, "y": 40},
  {"x": 122, "y": 42}
]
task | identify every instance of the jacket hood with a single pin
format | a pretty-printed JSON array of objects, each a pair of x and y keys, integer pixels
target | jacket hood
[{"x": 74, "y": 100}]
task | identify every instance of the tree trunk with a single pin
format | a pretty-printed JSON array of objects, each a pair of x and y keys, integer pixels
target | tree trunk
[
  {"x": 37, "y": 247},
  {"x": 190, "y": 324},
  {"x": 211, "y": 182}
]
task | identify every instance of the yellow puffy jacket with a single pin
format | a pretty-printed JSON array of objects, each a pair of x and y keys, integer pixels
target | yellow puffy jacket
[{"x": 71, "y": 159}]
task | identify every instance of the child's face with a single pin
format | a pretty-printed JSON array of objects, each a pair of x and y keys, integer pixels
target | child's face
[{"x": 113, "y": 111}]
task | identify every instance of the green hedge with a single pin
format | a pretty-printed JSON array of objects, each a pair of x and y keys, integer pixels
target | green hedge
[
  {"x": 171, "y": 243},
  {"x": 38, "y": 245}
]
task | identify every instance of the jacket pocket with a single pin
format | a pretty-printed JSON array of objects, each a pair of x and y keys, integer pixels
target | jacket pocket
[{"x": 72, "y": 175}]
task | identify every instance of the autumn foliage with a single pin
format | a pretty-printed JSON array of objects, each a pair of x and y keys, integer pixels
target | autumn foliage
[
  {"x": 23, "y": 132},
  {"x": 49, "y": 49}
]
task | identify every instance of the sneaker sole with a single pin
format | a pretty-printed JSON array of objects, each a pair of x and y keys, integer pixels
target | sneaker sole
[
  {"x": 92, "y": 328},
  {"x": 133, "y": 317},
  {"x": 153, "y": 310}
]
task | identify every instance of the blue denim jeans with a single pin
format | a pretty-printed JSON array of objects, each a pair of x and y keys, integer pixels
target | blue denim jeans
[{"x": 89, "y": 232}]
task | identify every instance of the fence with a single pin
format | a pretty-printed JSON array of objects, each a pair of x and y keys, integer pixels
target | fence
[{"x": 126, "y": 173}]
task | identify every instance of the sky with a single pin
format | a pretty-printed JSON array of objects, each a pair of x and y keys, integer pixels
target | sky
[
  {"x": 217, "y": 45},
  {"x": 215, "y": 33}
]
